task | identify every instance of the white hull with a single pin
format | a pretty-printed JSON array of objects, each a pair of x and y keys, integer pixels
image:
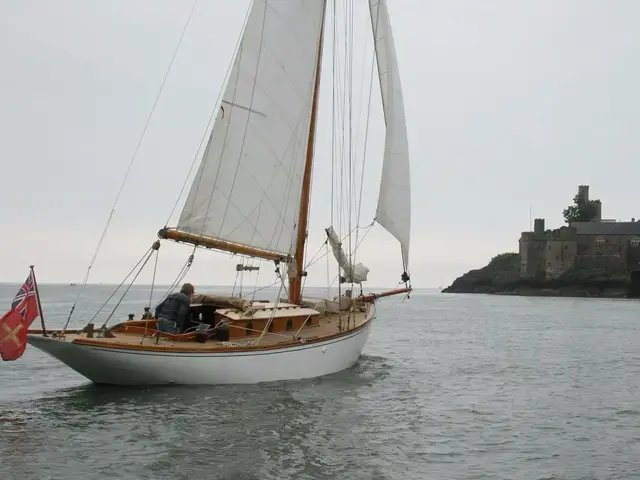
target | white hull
[{"x": 119, "y": 366}]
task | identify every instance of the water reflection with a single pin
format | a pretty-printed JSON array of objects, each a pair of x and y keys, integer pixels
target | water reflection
[{"x": 276, "y": 430}]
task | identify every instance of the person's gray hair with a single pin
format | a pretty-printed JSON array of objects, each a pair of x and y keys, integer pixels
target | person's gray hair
[{"x": 187, "y": 289}]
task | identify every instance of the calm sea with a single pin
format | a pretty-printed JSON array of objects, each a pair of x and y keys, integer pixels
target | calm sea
[{"x": 449, "y": 387}]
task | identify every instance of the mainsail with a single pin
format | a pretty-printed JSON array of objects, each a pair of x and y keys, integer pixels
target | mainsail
[
  {"x": 394, "y": 202},
  {"x": 248, "y": 187}
]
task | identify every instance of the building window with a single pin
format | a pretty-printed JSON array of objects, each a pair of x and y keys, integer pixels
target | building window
[
  {"x": 635, "y": 241},
  {"x": 566, "y": 247},
  {"x": 557, "y": 257},
  {"x": 600, "y": 241}
]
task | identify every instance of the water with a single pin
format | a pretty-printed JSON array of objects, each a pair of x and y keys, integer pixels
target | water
[{"x": 449, "y": 387}]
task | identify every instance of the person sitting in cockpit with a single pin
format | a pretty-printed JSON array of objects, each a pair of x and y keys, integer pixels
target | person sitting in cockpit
[{"x": 173, "y": 312}]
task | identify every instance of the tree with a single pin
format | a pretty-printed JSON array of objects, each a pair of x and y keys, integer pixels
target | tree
[{"x": 581, "y": 211}]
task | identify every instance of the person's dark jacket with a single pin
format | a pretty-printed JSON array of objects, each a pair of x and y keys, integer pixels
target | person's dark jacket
[{"x": 175, "y": 308}]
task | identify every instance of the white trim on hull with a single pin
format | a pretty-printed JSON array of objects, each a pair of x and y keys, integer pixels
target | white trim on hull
[{"x": 119, "y": 366}]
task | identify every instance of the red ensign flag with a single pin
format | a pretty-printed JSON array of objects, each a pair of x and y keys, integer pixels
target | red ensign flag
[{"x": 15, "y": 323}]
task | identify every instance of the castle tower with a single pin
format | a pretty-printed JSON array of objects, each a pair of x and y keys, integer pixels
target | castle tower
[
  {"x": 583, "y": 193},
  {"x": 598, "y": 217}
]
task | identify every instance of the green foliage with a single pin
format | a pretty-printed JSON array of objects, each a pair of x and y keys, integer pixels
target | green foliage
[
  {"x": 581, "y": 211},
  {"x": 504, "y": 262}
]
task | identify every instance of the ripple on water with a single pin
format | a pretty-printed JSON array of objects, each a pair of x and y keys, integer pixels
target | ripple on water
[{"x": 451, "y": 387}]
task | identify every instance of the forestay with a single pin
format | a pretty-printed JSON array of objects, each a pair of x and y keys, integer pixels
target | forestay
[
  {"x": 394, "y": 202},
  {"x": 248, "y": 187}
]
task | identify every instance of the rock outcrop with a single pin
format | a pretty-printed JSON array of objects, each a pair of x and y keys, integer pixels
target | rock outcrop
[{"x": 502, "y": 276}]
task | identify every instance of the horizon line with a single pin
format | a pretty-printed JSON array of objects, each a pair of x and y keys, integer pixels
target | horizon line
[{"x": 107, "y": 284}]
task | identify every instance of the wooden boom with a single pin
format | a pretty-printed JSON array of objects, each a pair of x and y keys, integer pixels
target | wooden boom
[{"x": 209, "y": 242}]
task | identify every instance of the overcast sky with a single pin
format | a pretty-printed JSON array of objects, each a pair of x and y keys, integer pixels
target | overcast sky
[{"x": 508, "y": 104}]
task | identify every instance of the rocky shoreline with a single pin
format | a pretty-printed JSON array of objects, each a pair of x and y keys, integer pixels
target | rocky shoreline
[{"x": 501, "y": 276}]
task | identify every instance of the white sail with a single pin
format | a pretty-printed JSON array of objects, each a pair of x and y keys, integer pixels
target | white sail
[
  {"x": 353, "y": 273},
  {"x": 394, "y": 202},
  {"x": 248, "y": 187}
]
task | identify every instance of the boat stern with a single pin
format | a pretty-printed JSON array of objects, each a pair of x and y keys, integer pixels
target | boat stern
[{"x": 65, "y": 351}]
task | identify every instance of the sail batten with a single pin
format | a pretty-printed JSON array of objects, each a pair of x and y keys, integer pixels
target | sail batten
[
  {"x": 249, "y": 184},
  {"x": 394, "y": 202}
]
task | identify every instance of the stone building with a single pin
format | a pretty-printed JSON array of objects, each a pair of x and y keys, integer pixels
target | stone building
[{"x": 600, "y": 244}]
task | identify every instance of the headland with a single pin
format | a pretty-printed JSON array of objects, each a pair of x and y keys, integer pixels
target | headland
[{"x": 589, "y": 257}]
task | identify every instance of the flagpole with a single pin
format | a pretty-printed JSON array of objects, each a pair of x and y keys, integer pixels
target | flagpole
[{"x": 35, "y": 286}]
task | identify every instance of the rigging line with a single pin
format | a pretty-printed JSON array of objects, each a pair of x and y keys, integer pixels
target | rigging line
[
  {"x": 326, "y": 254},
  {"x": 350, "y": 178},
  {"x": 104, "y": 325},
  {"x": 362, "y": 93},
  {"x": 181, "y": 274},
  {"x": 131, "y": 162},
  {"x": 235, "y": 283},
  {"x": 273, "y": 314},
  {"x": 345, "y": 92},
  {"x": 155, "y": 103},
  {"x": 335, "y": 127},
  {"x": 364, "y": 153},
  {"x": 338, "y": 126},
  {"x": 343, "y": 141},
  {"x": 310, "y": 262},
  {"x": 263, "y": 288},
  {"x": 295, "y": 147},
  {"x": 285, "y": 204},
  {"x": 306, "y": 243},
  {"x": 255, "y": 287},
  {"x": 282, "y": 208},
  {"x": 118, "y": 287},
  {"x": 244, "y": 135},
  {"x": 392, "y": 304},
  {"x": 64, "y": 328},
  {"x": 333, "y": 106},
  {"x": 153, "y": 280},
  {"x": 368, "y": 227},
  {"x": 214, "y": 111},
  {"x": 196, "y": 156}
]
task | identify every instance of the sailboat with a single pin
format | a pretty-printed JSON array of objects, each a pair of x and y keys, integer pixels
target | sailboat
[{"x": 251, "y": 197}]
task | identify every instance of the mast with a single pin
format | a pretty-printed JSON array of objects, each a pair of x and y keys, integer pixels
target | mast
[{"x": 295, "y": 283}]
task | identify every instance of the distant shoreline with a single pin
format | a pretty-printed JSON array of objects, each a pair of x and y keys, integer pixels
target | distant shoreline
[
  {"x": 167, "y": 285},
  {"x": 567, "y": 292},
  {"x": 501, "y": 276}
]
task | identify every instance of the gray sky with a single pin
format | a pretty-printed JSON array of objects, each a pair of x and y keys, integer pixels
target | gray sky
[{"x": 508, "y": 104}]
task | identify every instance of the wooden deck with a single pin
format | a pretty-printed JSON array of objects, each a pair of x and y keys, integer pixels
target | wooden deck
[{"x": 128, "y": 338}]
